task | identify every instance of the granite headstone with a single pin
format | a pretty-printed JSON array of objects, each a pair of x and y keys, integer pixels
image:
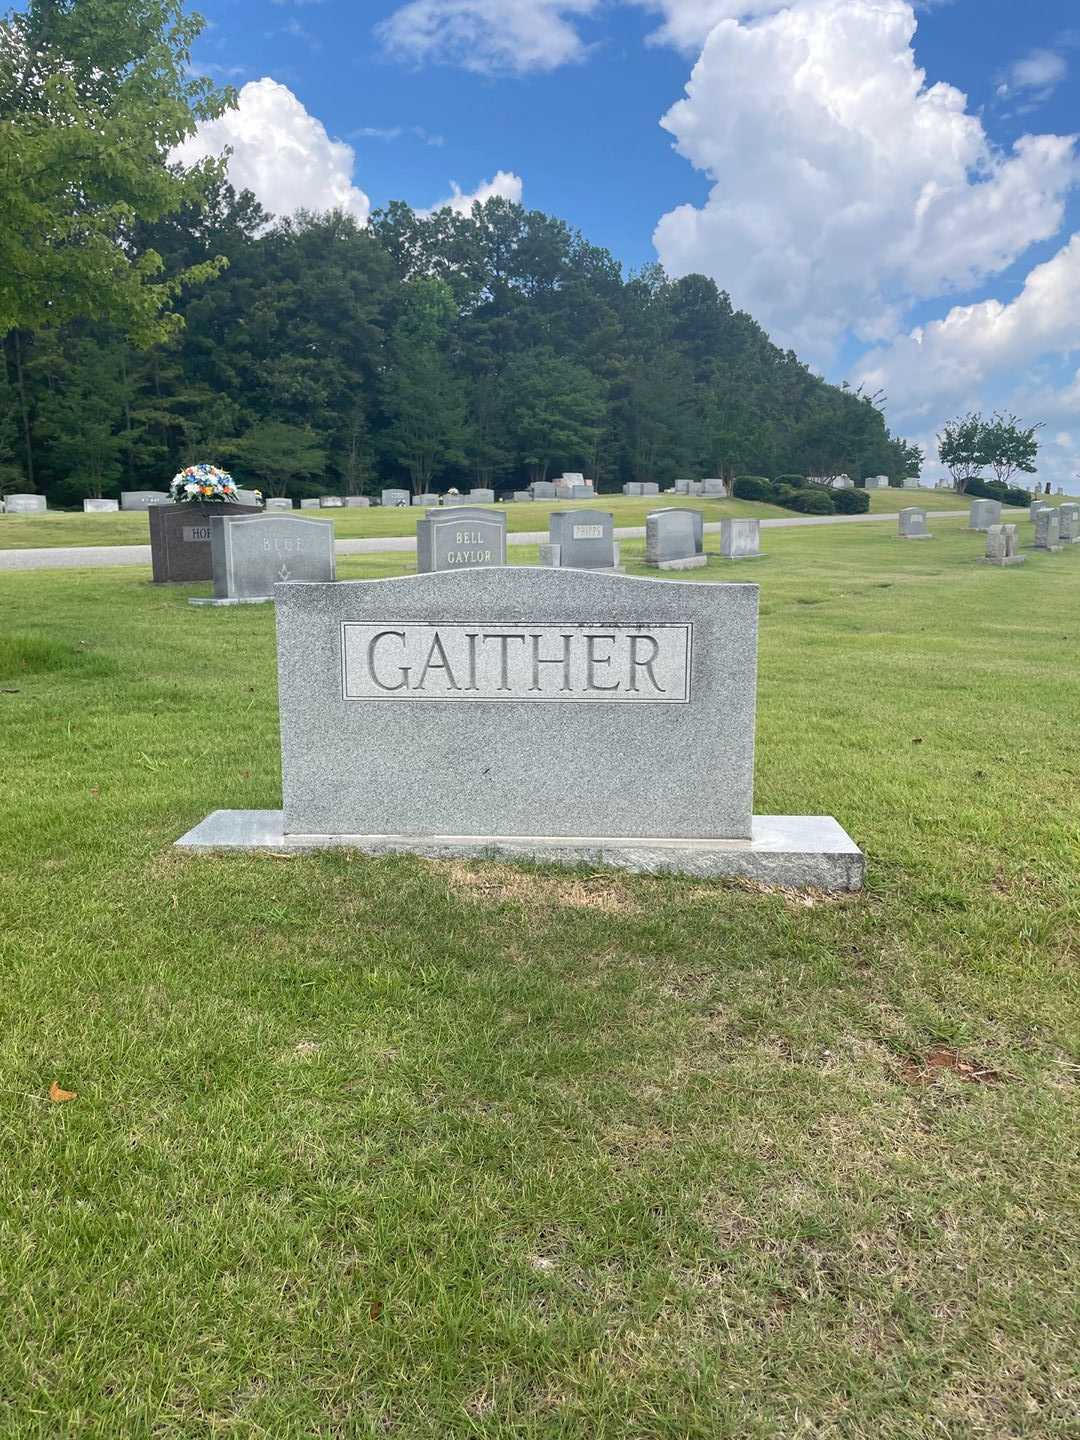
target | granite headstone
[
  {"x": 671, "y": 541},
  {"x": 912, "y": 523},
  {"x": 252, "y": 555},
  {"x": 100, "y": 507},
  {"x": 1001, "y": 546},
  {"x": 466, "y": 540},
  {"x": 143, "y": 499},
  {"x": 180, "y": 538},
  {"x": 581, "y": 540},
  {"x": 1048, "y": 529},
  {"x": 396, "y": 497},
  {"x": 740, "y": 539},
  {"x": 983, "y": 514}
]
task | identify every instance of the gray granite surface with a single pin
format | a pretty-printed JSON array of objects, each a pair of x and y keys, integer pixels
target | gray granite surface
[{"x": 463, "y": 539}]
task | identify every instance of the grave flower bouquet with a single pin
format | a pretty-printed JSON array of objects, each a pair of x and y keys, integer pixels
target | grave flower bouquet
[{"x": 203, "y": 484}]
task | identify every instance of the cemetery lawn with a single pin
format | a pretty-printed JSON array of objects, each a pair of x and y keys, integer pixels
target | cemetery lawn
[
  {"x": 20, "y": 532},
  {"x": 392, "y": 1148}
]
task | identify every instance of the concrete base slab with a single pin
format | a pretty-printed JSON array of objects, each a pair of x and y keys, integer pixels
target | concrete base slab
[
  {"x": 1008, "y": 560},
  {"x": 915, "y": 537},
  {"x": 247, "y": 600},
  {"x": 688, "y": 562},
  {"x": 799, "y": 851}
]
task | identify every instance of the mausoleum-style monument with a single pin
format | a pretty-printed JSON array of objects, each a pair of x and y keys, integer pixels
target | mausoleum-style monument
[{"x": 502, "y": 711}]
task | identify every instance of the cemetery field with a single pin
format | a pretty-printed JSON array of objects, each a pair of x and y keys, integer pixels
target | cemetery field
[
  {"x": 19, "y": 532},
  {"x": 367, "y": 1148}
]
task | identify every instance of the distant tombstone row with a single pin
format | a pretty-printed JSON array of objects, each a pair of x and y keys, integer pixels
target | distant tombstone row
[
  {"x": 98, "y": 506},
  {"x": 912, "y": 522},
  {"x": 251, "y": 555},
  {"x": 984, "y": 513},
  {"x": 641, "y": 487},
  {"x": 279, "y": 502},
  {"x": 674, "y": 540},
  {"x": 1001, "y": 546},
  {"x": 427, "y": 498},
  {"x": 143, "y": 499},
  {"x": 522, "y": 497},
  {"x": 580, "y": 540},
  {"x": 25, "y": 505},
  {"x": 468, "y": 539},
  {"x": 876, "y": 482}
]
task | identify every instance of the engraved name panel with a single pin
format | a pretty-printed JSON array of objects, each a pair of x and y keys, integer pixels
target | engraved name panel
[
  {"x": 588, "y": 532},
  {"x": 548, "y": 663}
]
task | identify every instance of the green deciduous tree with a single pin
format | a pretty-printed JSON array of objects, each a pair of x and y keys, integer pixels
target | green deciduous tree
[{"x": 1009, "y": 447}]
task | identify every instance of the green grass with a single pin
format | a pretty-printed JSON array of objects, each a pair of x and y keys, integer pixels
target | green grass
[
  {"x": 19, "y": 532},
  {"x": 390, "y": 1148}
]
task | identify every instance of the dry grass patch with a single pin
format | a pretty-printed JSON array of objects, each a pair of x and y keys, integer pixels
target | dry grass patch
[{"x": 503, "y": 885}]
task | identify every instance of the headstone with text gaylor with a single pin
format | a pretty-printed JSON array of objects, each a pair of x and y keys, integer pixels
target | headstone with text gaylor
[
  {"x": 672, "y": 541},
  {"x": 1048, "y": 529},
  {"x": 467, "y": 539},
  {"x": 1001, "y": 548},
  {"x": 740, "y": 539},
  {"x": 912, "y": 524},
  {"x": 144, "y": 499},
  {"x": 100, "y": 507},
  {"x": 442, "y": 693},
  {"x": 278, "y": 502},
  {"x": 180, "y": 539},
  {"x": 396, "y": 497},
  {"x": 23, "y": 504},
  {"x": 1069, "y": 524},
  {"x": 581, "y": 540},
  {"x": 251, "y": 556},
  {"x": 983, "y": 514}
]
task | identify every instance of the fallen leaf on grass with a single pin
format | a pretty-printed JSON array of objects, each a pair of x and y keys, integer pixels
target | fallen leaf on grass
[
  {"x": 59, "y": 1095},
  {"x": 943, "y": 1057},
  {"x": 376, "y": 1309}
]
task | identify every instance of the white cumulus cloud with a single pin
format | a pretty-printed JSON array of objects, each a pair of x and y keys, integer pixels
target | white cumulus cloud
[
  {"x": 844, "y": 186},
  {"x": 949, "y": 363},
  {"x": 504, "y": 183},
  {"x": 281, "y": 152},
  {"x": 488, "y": 35},
  {"x": 686, "y": 23}
]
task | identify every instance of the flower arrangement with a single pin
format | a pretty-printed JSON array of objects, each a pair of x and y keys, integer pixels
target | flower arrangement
[{"x": 203, "y": 484}]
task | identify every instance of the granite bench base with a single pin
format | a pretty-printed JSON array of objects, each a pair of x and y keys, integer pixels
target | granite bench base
[
  {"x": 685, "y": 562},
  {"x": 798, "y": 851}
]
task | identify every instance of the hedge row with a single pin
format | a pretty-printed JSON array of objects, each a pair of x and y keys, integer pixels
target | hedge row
[{"x": 792, "y": 492}]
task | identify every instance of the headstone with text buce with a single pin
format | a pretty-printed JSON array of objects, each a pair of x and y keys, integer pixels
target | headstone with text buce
[{"x": 442, "y": 693}]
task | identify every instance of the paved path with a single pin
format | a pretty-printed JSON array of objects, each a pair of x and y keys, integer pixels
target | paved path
[{"x": 87, "y": 556}]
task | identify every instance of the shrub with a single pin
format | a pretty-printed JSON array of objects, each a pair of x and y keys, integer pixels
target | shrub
[
  {"x": 795, "y": 482},
  {"x": 851, "y": 502},
  {"x": 1015, "y": 495},
  {"x": 980, "y": 489},
  {"x": 752, "y": 487},
  {"x": 814, "y": 502}
]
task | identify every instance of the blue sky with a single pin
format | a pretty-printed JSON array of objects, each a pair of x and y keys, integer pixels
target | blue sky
[{"x": 855, "y": 208}]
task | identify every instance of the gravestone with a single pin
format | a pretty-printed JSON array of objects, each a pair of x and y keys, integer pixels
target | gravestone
[
  {"x": 24, "y": 505},
  {"x": 310, "y": 504},
  {"x": 396, "y": 497},
  {"x": 581, "y": 492},
  {"x": 1001, "y": 546},
  {"x": 543, "y": 490},
  {"x": 581, "y": 540},
  {"x": 876, "y": 482},
  {"x": 682, "y": 487},
  {"x": 331, "y": 502},
  {"x": 357, "y": 502},
  {"x": 912, "y": 523},
  {"x": 466, "y": 540},
  {"x": 180, "y": 537},
  {"x": 983, "y": 514},
  {"x": 427, "y": 498},
  {"x": 394, "y": 671},
  {"x": 843, "y": 482},
  {"x": 632, "y": 487},
  {"x": 1069, "y": 524},
  {"x": 650, "y": 487},
  {"x": 1035, "y": 507},
  {"x": 740, "y": 539},
  {"x": 449, "y": 501},
  {"x": 143, "y": 499},
  {"x": 523, "y": 496},
  {"x": 1048, "y": 529},
  {"x": 671, "y": 541},
  {"x": 278, "y": 502},
  {"x": 696, "y": 487},
  {"x": 482, "y": 496},
  {"x": 249, "y": 497},
  {"x": 251, "y": 556},
  {"x": 100, "y": 507},
  {"x": 714, "y": 488}
]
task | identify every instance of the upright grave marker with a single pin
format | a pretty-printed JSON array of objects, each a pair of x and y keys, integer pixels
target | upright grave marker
[
  {"x": 144, "y": 499},
  {"x": 25, "y": 505},
  {"x": 251, "y": 556},
  {"x": 740, "y": 539},
  {"x": 278, "y": 502},
  {"x": 1001, "y": 546},
  {"x": 1048, "y": 529},
  {"x": 482, "y": 496},
  {"x": 983, "y": 514},
  {"x": 180, "y": 536},
  {"x": 581, "y": 540},
  {"x": 912, "y": 523},
  {"x": 396, "y": 497},
  {"x": 464, "y": 540},
  {"x": 100, "y": 507},
  {"x": 427, "y": 498},
  {"x": 398, "y": 670},
  {"x": 331, "y": 502},
  {"x": 357, "y": 502},
  {"x": 672, "y": 540},
  {"x": 1069, "y": 524},
  {"x": 714, "y": 488}
]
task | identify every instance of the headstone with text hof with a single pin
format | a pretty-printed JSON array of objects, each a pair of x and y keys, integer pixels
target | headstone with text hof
[
  {"x": 180, "y": 539},
  {"x": 672, "y": 541},
  {"x": 1048, "y": 529},
  {"x": 278, "y": 502},
  {"x": 581, "y": 540},
  {"x": 740, "y": 539},
  {"x": 251, "y": 556},
  {"x": 396, "y": 497},
  {"x": 398, "y": 671},
  {"x": 464, "y": 540},
  {"x": 983, "y": 514},
  {"x": 25, "y": 504},
  {"x": 100, "y": 507},
  {"x": 144, "y": 499},
  {"x": 1001, "y": 546},
  {"x": 912, "y": 524},
  {"x": 1069, "y": 524}
]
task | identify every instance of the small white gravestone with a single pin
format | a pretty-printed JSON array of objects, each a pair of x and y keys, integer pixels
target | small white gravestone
[
  {"x": 100, "y": 507},
  {"x": 24, "y": 505},
  {"x": 912, "y": 523},
  {"x": 983, "y": 514},
  {"x": 278, "y": 502},
  {"x": 740, "y": 539},
  {"x": 398, "y": 667}
]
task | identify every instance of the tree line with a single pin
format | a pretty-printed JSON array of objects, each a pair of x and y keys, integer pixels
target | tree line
[{"x": 177, "y": 321}]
